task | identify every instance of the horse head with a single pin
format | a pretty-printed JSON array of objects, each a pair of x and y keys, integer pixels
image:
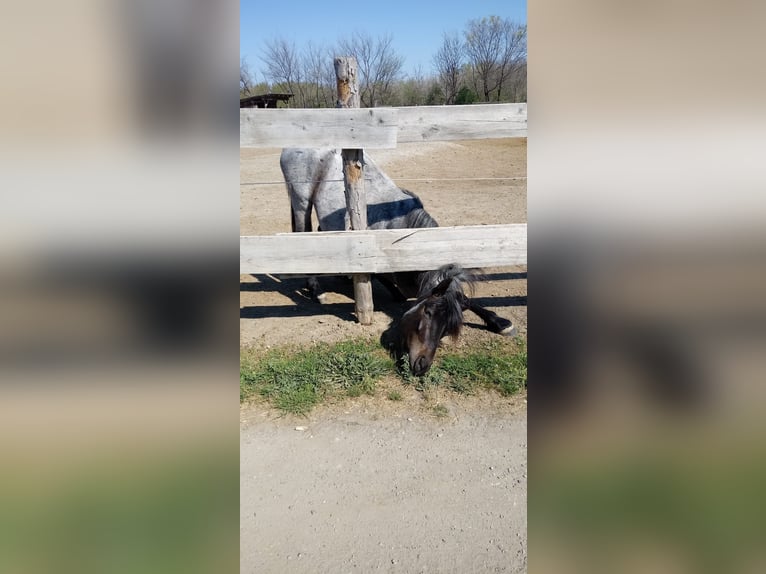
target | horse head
[{"x": 437, "y": 313}]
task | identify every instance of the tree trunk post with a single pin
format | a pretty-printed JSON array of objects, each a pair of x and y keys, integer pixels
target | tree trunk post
[{"x": 353, "y": 178}]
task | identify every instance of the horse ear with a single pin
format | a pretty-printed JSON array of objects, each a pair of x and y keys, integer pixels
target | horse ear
[{"x": 441, "y": 288}]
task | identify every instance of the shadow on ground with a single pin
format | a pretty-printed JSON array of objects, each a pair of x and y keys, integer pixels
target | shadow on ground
[{"x": 294, "y": 288}]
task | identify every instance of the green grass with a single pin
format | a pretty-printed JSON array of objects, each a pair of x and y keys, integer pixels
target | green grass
[
  {"x": 440, "y": 411},
  {"x": 699, "y": 504},
  {"x": 296, "y": 380},
  {"x": 486, "y": 367},
  {"x": 124, "y": 510},
  {"x": 433, "y": 378},
  {"x": 499, "y": 364}
]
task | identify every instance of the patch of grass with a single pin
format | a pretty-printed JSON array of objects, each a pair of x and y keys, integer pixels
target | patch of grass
[
  {"x": 355, "y": 364},
  {"x": 298, "y": 401},
  {"x": 440, "y": 411},
  {"x": 433, "y": 378},
  {"x": 487, "y": 367},
  {"x": 364, "y": 387},
  {"x": 295, "y": 381}
]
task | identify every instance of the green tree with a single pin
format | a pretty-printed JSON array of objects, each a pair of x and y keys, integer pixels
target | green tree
[
  {"x": 435, "y": 96},
  {"x": 465, "y": 96}
]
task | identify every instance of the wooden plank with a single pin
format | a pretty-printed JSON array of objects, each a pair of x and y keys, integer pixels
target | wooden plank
[
  {"x": 445, "y": 123},
  {"x": 379, "y": 128},
  {"x": 307, "y": 253},
  {"x": 384, "y": 251},
  {"x": 373, "y": 128}
]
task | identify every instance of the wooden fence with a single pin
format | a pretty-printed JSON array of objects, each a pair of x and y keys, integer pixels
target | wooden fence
[{"x": 377, "y": 251}]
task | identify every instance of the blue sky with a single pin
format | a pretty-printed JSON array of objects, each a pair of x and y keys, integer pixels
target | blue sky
[{"x": 416, "y": 25}]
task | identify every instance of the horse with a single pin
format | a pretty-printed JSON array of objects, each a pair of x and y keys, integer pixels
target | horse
[{"x": 314, "y": 179}]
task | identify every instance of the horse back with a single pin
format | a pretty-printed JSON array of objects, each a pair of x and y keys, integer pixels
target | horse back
[{"x": 314, "y": 178}]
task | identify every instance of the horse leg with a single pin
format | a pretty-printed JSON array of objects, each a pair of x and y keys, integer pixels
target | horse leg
[
  {"x": 494, "y": 322},
  {"x": 301, "y": 221},
  {"x": 301, "y": 218},
  {"x": 315, "y": 290}
]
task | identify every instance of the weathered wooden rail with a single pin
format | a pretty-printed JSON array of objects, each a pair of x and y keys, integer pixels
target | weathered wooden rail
[
  {"x": 379, "y": 128},
  {"x": 385, "y": 250}
]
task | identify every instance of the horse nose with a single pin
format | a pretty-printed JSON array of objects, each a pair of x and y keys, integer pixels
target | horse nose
[{"x": 420, "y": 366}]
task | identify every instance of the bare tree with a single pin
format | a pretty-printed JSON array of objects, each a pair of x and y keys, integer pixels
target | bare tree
[
  {"x": 448, "y": 62},
  {"x": 490, "y": 59},
  {"x": 483, "y": 41},
  {"x": 517, "y": 91},
  {"x": 245, "y": 77},
  {"x": 514, "y": 57},
  {"x": 319, "y": 75},
  {"x": 283, "y": 67},
  {"x": 379, "y": 66},
  {"x": 495, "y": 48}
]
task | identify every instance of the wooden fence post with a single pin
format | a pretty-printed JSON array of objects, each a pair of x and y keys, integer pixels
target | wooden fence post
[{"x": 353, "y": 177}]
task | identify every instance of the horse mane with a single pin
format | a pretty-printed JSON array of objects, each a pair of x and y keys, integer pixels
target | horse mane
[
  {"x": 418, "y": 218},
  {"x": 451, "y": 303},
  {"x": 461, "y": 279}
]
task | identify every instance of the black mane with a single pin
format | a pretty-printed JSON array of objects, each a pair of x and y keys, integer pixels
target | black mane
[
  {"x": 450, "y": 305},
  {"x": 418, "y": 217},
  {"x": 461, "y": 279}
]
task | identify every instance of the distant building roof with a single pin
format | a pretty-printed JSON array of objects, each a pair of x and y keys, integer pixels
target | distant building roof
[{"x": 264, "y": 100}]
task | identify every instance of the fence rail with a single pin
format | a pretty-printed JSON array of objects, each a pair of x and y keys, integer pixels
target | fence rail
[
  {"x": 379, "y": 128},
  {"x": 384, "y": 251}
]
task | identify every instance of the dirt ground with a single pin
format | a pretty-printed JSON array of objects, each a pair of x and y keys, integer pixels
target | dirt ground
[
  {"x": 372, "y": 485},
  {"x": 370, "y": 488}
]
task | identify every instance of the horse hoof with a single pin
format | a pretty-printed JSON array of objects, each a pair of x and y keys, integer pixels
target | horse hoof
[
  {"x": 509, "y": 331},
  {"x": 321, "y": 298}
]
